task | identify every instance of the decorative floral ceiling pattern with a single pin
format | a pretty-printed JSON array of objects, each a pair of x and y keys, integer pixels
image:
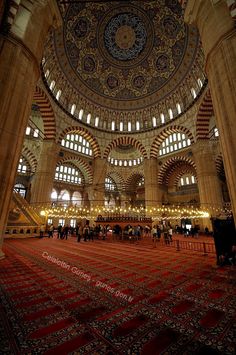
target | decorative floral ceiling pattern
[{"x": 119, "y": 53}]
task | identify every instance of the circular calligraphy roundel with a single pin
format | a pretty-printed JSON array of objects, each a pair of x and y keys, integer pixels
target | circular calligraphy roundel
[{"x": 125, "y": 36}]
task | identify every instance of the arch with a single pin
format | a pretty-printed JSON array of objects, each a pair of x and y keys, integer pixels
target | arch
[
  {"x": 125, "y": 140},
  {"x": 164, "y": 134},
  {"x": 203, "y": 117},
  {"x": 47, "y": 113},
  {"x": 64, "y": 195},
  {"x": 77, "y": 198},
  {"x": 172, "y": 164},
  {"x": 30, "y": 157},
  {"x": 132, "y": 180},
  {"x": 86, "y": 135},
  {"x": 54, "y": 194},
  {"x": 86, "y": 170},
  {"x": 220, "y": 167},
  {"x": 179, "y": 172},
  {"x": 118, "y": 179}
]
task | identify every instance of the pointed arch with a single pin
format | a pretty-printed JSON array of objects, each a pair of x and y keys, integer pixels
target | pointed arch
[
  {"x": 220, "y": 167},
  {"x": 164, "y": 134},
  {"x": 171, "y": 165},
  {"x": 133, "y": 179},
  {"x": 119, "y": 180},
  {"x": 86, "y": 135},
  {"x": 125, "y": 141},
  {"x": 47, "y": 113},
  {"x": 85, "y": 168},
  {"x": 203, "y": 117},
  {"x": 30, "y": 157},
  {"x": 179, "y": 172}
]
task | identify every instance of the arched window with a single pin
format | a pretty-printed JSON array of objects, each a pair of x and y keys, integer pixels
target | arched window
[
  {"x": 110, "y": 184},
  {"x": 81, "y": 112},
  {"x": 96, "y": 121},
  {"x": 113, "y": 125},
  {"x": 129, "y": 126},
  {"x": 178, "y": 108},
  {"x": 187, "y": 179},
  {"x": 73, "y": 107},
  {"x": 199, "y": 83},
  {"x": 36, "y": 133},
  {"x": 174, "y": 141},
  {"x": 77, "y": 143},
  {"x": 170, "y": 113},
  {"x": 54, "y": 195},
  {"x": 162, "y": 118},
  {"x": 58, "y": 95},
  {"x": 216, "y": 132},
  {"x": 193, "y": 93},
  {"x": 22, "y": 166},
  {"x": 154, "y": 121},
  {"x": 21, "y": 189},
  {"x": 125, "y": 163},
  {"x": 88, "y": 118},
  {"x": 68, "y": 173},
  {"x": 52, "y": 85},
  {"x": 121, "y": 126},
  {"x": 137, "y": 125},
  {"x": 47, "y": 74},
  {"x": 64, "y": 197},
  {"x": 27, "y": 132},
  {"x": 77, "y": 198}
]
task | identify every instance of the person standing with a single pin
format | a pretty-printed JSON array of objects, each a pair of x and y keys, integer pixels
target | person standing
[
  {"x": 50, "y": 232},
  {"x": 77, "y": 233},
  {"x": 154, "y": 236},
  {"x": 158, "y": 233},
  {"x": 86, "y": 233},
  {"x": 59, "y": 232},
  {"x": 166, "y": 237},
  {"x": 170, "y": 232},
  {"x": 66, "y": 231},
  {"x": 42, "y": 230}
]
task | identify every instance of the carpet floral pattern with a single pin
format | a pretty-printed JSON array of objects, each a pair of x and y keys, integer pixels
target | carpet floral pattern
[{"x": 64, "y": 297}]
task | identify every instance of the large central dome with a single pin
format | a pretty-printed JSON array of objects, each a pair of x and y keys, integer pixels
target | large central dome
[{"x": 125, "y": 55}]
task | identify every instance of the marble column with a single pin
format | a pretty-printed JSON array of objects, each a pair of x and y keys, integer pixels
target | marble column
[
  {"x": 210, "y": 192},
  {"x": 97, "y": 191},
  {"x": 21, "y": 48},
  {"x": 218, "y": 36},
  {"x": 42, "y": 183},
  {"x": 152, "y": 190}
]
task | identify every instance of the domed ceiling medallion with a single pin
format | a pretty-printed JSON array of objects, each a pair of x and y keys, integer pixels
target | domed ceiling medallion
[
  {"x": 125, "y": 55},
  {"x": 125, "y": 39}
]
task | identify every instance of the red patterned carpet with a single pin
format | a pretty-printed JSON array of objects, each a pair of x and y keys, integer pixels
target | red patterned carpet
[{"x": 64, "y": 297}]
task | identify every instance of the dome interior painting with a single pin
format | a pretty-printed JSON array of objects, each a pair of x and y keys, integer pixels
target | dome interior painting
[{"x": 122, "y": 62}]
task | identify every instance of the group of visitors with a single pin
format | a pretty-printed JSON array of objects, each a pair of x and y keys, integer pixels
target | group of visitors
[
  {"x": 82, "y": 232},
  {"x": 86, "y": 232},
  {"x": 162, "y": 229}
]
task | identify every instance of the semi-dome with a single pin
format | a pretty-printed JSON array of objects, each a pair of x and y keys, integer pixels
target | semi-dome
[{"x": 124, "y": 62}]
